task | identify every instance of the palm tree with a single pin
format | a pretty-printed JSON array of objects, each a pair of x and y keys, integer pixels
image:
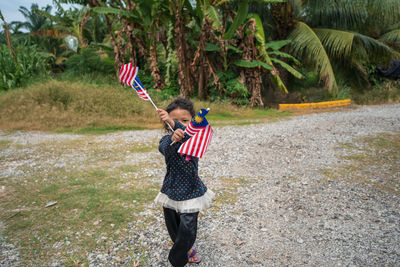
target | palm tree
[
  {"x": 71, "y": 21},
  {"x": 344, "y": 33},
  {"x": 34, "y": 21},
  {"x": 7, "y": 36}
]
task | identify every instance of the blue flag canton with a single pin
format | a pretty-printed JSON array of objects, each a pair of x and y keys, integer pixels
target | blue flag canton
[
  {"x": 138, "y": 84},
  {"x": 200, "y": 119}
]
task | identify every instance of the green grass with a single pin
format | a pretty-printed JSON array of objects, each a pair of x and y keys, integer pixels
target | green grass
[
  {"x": 246, "y": 116},
  {"x": 99, "y": 198},
  {"x": 227, "y": 193},
  {"x": 100, "y": 130},
  {"x": 89, "y": 105},
  {"x": 91, "y": 203},
  {"x": 371, "y": 161},
  {"x": 5, "y": 144}
]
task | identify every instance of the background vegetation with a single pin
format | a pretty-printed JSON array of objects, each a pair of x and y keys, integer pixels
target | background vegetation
[{"x": 243, "y": 52}]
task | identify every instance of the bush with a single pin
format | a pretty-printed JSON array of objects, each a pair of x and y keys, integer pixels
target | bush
[
  {"x": 88, "y": 61},
  {"x": 311, "y": 79},
  {"x": 385, "y": 92},
  {"x": 235, "y": 91},
  {"x": 28, "y": 64}
]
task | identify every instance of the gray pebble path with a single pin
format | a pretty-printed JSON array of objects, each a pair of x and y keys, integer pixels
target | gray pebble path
[{"x": 286, "y": 212}]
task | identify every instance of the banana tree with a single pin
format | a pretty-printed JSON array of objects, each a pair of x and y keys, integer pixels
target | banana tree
[
  {"x": 142, "y": 17},
  {"x": 255, "y": 58},
  {"x": 259, "y": 57},
  {"x": 178, "y": 10},
  {"x": 216, "y": 38},
  {"x": 154, "y": 16},
  {"x": 206, "y": 12}
]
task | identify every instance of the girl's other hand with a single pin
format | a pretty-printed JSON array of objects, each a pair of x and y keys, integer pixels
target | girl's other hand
[
  {"x": 178, "y": 135},
  {"x": 164, "y": 116}
]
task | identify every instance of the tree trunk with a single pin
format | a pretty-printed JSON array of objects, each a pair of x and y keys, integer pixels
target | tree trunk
[
  {"x": 82, "y": 24},
  {"x": 198, "y": 61},
  {"x": 201, "y": 90},
  {"x": 255, "y": 81},
  {"x": 8, "y": 38},
  {"x": 155, "y": 71},
  {"x": 283, "y": 15},
  {"x": 131, "y": 44},
  {"x": 182, "y": 52},
  {"x": 118, "y": 58},
  {"x": 252, "y": 75}
]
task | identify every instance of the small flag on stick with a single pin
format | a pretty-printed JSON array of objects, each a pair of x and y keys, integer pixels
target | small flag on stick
[{"x": 128, "y": 76}]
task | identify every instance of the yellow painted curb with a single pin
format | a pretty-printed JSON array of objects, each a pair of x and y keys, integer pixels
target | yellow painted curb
[{"x": 326, "y": 104}]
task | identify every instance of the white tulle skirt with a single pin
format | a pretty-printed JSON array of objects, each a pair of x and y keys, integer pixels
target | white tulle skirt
[{"x": 186, "y": 206}]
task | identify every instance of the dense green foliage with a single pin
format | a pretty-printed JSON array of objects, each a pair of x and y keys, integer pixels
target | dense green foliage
[
  {"x": 28, "y": 64},
  {"x": 234, "y": 51},
  {"x": 88, "y": 61}
]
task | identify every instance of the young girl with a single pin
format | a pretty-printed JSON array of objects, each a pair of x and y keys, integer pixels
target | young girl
[{"x": 183, "y": 194}]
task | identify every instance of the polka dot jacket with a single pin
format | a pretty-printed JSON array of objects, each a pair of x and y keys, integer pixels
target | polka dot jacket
[{"x": 181, "y": 181}]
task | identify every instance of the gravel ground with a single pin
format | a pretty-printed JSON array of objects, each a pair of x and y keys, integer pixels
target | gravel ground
[{"x": 274, "y": 207}]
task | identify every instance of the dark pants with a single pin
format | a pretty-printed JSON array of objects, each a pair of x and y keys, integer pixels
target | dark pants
[{"x": 182, "y": 228}]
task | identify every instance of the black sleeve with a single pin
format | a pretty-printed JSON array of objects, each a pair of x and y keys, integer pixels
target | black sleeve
[{"x": 179, "y": 125}]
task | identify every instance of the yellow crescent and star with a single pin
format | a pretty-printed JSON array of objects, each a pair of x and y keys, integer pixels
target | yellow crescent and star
[{"x": 198, "y": 119}]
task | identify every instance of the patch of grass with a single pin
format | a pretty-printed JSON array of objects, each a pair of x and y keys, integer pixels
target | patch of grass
[
  {"x": 227, "y": 194},
  {"x": 101, "y": 130},
  {"x": 242, "y": 113},
  {"x": 373, "y": 161},
  {"x": 7, "y": 132},
  {"x": 90, "y": 203},
  {"x": 140, "y": 147},
  {"x": 5, "y": 144}
]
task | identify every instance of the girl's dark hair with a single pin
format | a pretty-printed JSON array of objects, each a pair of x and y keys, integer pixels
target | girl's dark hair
[{"x": 181, "y": 103}]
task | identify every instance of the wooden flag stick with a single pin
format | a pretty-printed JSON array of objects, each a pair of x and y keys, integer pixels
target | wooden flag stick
[{"x": 154, "y": 104}]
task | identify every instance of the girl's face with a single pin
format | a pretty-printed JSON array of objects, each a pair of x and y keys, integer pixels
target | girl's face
[{"x": 181, "y": 115}]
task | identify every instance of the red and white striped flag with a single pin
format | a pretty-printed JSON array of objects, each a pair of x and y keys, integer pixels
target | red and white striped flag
[
  {"x": 128, "y": 75},
  {"x": 197, "y": 145}
]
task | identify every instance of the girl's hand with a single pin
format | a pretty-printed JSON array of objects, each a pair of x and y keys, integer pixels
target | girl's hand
[
  {"x": 178, "y": 135},
  {"x": 164, "y": 116}
]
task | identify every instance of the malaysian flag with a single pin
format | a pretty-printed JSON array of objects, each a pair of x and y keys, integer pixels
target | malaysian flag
[
  {"x": 128, "y": 75},
  {"x": 201, "y": 132}
]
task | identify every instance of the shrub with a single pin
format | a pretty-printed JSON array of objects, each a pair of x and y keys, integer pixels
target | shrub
[
  {"x": 88, "y": 61},
  {"x": 28, "y": 64},
  {"x": 235, "y": 91},
  {"x": 385, "y": 92}
]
